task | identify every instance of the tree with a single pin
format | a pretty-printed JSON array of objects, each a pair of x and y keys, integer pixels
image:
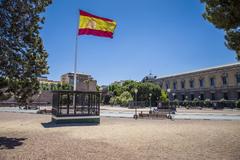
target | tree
[
  {"x": 164, "y": 96},
  {"x": 22, "y": 54},
  {"x": 3, "y": 94},
  {"x": 144, "y": 89},
  {"x": 225, "y": 14},
  {"x": 237, "y": 103},
  {"x": 125, "y": 98}
]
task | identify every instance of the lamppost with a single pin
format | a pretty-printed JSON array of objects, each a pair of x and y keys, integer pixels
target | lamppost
[
  {"x": 186, "y": 98},
  {"x": 168, "y": 91},
  {"x": 135, "y": 91},
  {"x": 173, "y": 94},
  {"x": 199, "y": 99},
  {"x": 150, "y": 101},
  {"x": 186, "y": 101},
  {"x": 100, "y": 90}
]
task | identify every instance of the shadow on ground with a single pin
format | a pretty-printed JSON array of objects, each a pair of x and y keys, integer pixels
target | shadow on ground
[
  {"x": 54, "y": 125},
  {"x": 10, "y": 143}
]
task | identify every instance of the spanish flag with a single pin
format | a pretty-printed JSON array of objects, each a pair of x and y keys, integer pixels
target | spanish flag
[{"x": 94, "y": 25}]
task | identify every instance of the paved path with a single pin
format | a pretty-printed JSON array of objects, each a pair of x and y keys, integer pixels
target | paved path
[
  {"x": 17, "y": 110},
  {"x": 194, "y": 116},
  {"x": 127, "y": 113}
]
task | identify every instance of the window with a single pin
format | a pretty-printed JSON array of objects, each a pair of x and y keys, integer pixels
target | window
[
  {"x": 174, "y": 85},
  {"x": 238, "y": 78},
  {"x": 224, "y": 80},
  {"x": 191, "y": 82},
  {"x": 71, "y": 81},
  {"x": 225, "y": 95},
  {"x": 183, "y": 84},
  {"x": 238, "y": 95},
  {"x": 201, "y": 96},
  {"x": 201, "y": 81},
  {"x": 192, "y": 97},
  {"x": 167, "y": 86},
  {"x": 212, "y": 82},
  {"x": 213, "y": 96}
]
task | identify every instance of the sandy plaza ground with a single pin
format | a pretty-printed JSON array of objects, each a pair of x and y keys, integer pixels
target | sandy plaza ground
[{"x": 32, "y": 136}]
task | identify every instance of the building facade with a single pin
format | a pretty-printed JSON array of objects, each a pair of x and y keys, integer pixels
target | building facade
[
  {"x": 45, "y": 80},
  {"x": 84, "y": 82},
  {"x": 216, "y": 83}
]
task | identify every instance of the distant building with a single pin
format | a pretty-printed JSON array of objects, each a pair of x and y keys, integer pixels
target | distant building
[
  {"x": 119, "y": 82},
  {"x": 84, "y": 82},
  {"x": 215, "y": 83},
  {"x": 48, "y": 85},
  {"x": 45, "y": 80},
  {"x": 149, "y": 78}
]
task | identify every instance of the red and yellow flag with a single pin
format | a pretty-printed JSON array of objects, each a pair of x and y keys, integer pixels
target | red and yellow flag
[{"x": 94, "y": 25}]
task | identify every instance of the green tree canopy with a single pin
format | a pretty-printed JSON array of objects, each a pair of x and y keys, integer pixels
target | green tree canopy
[
  {"x": 22, "y": 54},
  {"x": 164, "y": 96},
  {"x": 225, "y": 14},
  {"x": 144, "y": 89},
  {"x": 125, "y": 97}
]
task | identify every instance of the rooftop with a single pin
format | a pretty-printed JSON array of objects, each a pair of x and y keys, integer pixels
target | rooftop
[
  {"x": 78, "y": 73},
  {"x": 200, "y": 70}
]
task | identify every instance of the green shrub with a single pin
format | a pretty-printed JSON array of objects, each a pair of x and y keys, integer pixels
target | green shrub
[
  {"x": 195, "y": 102},
  {"x": 237, "y": 103},
  {"x": 207, "y": 102},
  {"x": 222, "y": 103},
  {"x": 176, "y": 102},
  {"x": 186, "y": 103}
]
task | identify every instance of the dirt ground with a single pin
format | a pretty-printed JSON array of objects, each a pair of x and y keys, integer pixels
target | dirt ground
[{"x": 34, "y": 137}]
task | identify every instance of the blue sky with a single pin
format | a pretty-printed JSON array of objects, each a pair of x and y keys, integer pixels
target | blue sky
[{"x": 161, "y": 36}]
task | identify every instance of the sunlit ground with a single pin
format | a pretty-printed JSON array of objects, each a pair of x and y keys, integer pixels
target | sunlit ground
[{"x": 32, "y": 136}]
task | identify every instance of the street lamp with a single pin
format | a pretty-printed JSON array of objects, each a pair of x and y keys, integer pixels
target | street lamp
[
  {"x": 100, "y": 90},
  {"x": 150, "y": 101},
  {"x": 199, "y": 100},
  {"x": 168, "y": 91},
  {"x": 173, "y": 94},
  {"x": 135, "y": 91}
]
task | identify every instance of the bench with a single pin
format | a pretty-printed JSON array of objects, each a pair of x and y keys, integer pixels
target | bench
[{"x": 159, "y": 113}]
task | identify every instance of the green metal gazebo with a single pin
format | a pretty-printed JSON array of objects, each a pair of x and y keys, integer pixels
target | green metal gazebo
[{"x": 76, "y": 106}]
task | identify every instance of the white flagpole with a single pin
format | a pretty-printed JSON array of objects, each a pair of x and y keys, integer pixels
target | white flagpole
[
  {"x": 75, "y": 65},
  {"x": 76, "y": 56}
]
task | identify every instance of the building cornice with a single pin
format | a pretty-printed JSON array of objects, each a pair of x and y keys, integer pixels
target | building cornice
[{"x": 237, "y": 64}]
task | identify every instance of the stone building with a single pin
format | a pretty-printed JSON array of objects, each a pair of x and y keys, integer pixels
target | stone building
[
  {"x": 45, "y": 80},
  {"x": 215, "y": 83},
  {"x": 84, "y": 82}
]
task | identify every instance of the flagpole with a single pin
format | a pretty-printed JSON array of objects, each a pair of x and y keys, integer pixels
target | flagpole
[
  {"x": 75, "y": 64},
  {"x": 75, "y": 58}
]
